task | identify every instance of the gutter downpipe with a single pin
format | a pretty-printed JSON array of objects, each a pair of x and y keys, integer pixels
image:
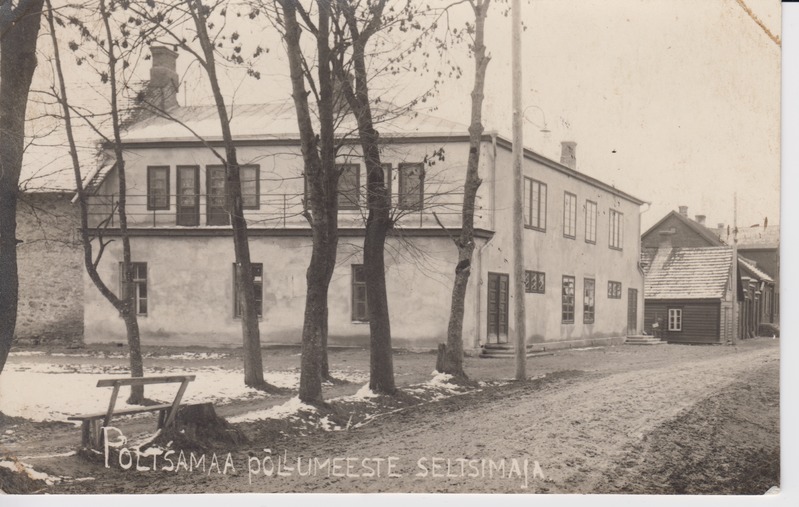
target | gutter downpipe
[
  {"x": 491, "y": 200},
  {"x": 641, "y": 270}
]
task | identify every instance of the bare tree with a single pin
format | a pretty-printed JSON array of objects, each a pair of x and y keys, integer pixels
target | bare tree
[
  {"x": 164, "y": 17},
  {"x": 124, "y": 303},
  {"x": 19, "y": 29},
  {"x": 451, "y": 357},
  {"x": 321, "y": 178},
  {"x": 358, "y": 27}
]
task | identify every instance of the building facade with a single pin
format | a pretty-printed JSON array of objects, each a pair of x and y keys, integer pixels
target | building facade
[{"x": 582, "y": 279}]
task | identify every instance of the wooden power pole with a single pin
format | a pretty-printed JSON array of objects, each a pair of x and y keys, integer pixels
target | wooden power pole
[
  {"x": 518, "y": 186},
  {"x": 735, "y": 323}
]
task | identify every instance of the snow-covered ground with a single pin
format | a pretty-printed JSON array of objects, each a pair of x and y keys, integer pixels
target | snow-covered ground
[{"x": 56, "y": 391}]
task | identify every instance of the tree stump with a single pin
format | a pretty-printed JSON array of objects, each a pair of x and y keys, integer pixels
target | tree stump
[{"x": 199, "y": 427}]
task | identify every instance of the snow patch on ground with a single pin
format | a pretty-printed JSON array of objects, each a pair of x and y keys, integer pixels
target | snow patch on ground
[
  {"x": 290, "y": 408},
  {"x": 20, "y": 467},
  {"x": 26, "y": 353}
]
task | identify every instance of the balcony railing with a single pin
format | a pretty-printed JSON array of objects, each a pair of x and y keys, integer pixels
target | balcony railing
[{"x": 271, "y": 211}]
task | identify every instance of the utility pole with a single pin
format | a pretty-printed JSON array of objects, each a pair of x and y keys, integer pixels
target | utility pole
[
  {"x": 735, "y": 324},
  {"x": 518, "y": 186}
]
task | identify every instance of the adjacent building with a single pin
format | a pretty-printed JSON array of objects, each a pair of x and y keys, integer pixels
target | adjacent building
[
  {"x": 583, "y": 283},
  {"x": 689, "y": 293}
]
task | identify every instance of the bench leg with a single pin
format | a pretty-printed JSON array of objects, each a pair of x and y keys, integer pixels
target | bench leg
[{"x": 86, "y": 433}]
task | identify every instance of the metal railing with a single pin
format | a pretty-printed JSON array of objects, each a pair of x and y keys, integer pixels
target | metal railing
[{"x": 272, "y": 210}]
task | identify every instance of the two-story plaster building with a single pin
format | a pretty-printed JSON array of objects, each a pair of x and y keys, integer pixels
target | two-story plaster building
[{"x": 583, "y": 282}]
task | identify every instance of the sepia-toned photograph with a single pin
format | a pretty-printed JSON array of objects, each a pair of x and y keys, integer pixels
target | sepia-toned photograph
[{"x": 388, "y": 246}]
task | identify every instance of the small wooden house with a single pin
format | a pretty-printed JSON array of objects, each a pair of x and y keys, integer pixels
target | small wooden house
[{"x": 688, "y": 280}]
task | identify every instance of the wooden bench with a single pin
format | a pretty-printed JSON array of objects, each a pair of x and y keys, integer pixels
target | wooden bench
[{"x": 91, "y": 432}]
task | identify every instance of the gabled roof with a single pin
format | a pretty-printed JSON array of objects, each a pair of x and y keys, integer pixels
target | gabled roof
[
  {"x": 688, "y": 273},
  {"x": 703, "y": 231}
]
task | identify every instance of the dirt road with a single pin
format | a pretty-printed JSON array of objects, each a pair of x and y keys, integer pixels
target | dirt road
[{"x": 678, "y": 427}]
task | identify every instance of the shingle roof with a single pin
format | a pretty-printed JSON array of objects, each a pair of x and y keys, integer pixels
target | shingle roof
[
  {"x": 751, "y": 266},
  {"x": 688, "y": 273}
]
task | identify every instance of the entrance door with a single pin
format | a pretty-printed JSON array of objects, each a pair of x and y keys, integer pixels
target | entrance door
[
  {"x": 215, "y": 204},
  {"x": 632, "y": 311},
  {"x": 497, "y": 308},
  {"x": 188, "y": 196}
]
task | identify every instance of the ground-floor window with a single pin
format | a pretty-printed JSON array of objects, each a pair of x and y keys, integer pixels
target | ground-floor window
[
  {"x": 675, "y": 319},
  {"x": 567, "y": 306},
  {"x": 535, "y": 282},
  {"x": 589, "y": 298},
  {"x": 360, "y": 311},
  {"x": 138, "y": 280},
  {"x": 614, "y": 290},
  {"x": 258, "y": 286}
]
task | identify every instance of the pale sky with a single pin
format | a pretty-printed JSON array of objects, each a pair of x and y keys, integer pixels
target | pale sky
[{"x": 674, "y": 101}]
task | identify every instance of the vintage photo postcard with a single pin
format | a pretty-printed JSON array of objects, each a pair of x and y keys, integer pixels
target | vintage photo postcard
[{"x": 381, "y": 246}]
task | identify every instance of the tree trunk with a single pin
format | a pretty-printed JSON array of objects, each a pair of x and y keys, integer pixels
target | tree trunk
[
  {"x": 378, "y": 222},
  {"x": 321, "y": 178},
  {"x": 452, "y": 360},
  {"x": 19, "y": 27}
]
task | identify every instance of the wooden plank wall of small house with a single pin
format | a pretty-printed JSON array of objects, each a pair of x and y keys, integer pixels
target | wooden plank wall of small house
[{"x": 700, "y": 320}]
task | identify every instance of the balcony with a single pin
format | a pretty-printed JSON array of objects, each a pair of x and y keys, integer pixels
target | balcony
[{"x": 269, "y": 211}]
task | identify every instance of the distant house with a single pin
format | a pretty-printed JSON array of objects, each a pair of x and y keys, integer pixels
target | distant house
[
  {"x": 582, "y": 281},
  {"x": 688, "y": 268}
]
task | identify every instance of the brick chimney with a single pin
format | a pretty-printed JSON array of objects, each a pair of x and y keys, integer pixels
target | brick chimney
[
  {"x": 720, "y": 230},
  {"x": 684, "y": 211},
  {"x": 568, "y": 154},
  {"x": 162, "y": 90},
  {"x": 700, "y": 219}
]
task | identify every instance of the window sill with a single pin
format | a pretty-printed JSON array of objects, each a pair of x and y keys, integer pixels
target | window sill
[
  {"x": 616, "y": 248},
  {"x": 360, "y": 321},
  {"x": 539, "y": 229},
  {"x": 569, "y": 237}
]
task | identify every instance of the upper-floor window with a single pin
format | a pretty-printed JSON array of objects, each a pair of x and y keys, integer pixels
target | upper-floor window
[
  {"x": 590, "y": 222},
  {"x": 258, "y": 286},
  {"x": 157, "y": 187},
  {"x": 614, "y": 290},
  {"x": 535, "y": 282},
  {"x": 349, "y": 186},
  {"x": 569, "y": 215},
  {"x": 616, "y": 229},
  {"x": 136, "y": 280},
  {"x": 567, "y": 300},
  {"x": 411, "y": 186},
  {"x": 535, "y": 204},
  {"x": 250, "y": 186},
  {"x": 589, "y": 300}
]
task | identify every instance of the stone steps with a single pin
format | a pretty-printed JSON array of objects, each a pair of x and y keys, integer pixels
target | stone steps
[{"x": 643, "y": 340}]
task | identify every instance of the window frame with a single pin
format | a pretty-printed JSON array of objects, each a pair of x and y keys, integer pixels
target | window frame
[
  {"x": 570, "y": 198},
  {"x": 567, "y": 301},
  {"x": 257, "y": 168},
  {"x": 150, "y": 197},
  {"x": 355, "y": 203},
  {"x": 530, "y": 287},
  {"x": 354, "y": 283},
  {"x": 611, "y": 292},
  {"x": 591, "y": 225},
  {"x": 137, "y": 282},
  {"x": 674, "y": 325},
  {"x": 529, "y": 194},
  {"x": 589, "y": 316},
  {"x": 616, "y": 229},
  {"x": 259, "y": 290},
  {"x": 401, "y": 195}
]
